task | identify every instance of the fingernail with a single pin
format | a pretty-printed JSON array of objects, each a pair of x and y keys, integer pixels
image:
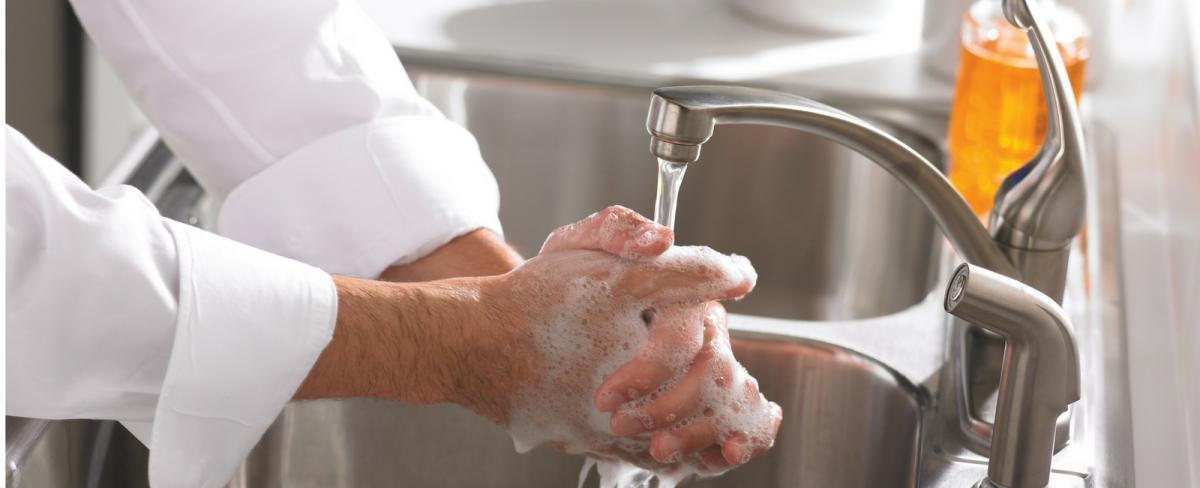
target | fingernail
[
  {"x": 668, "y": 448},
  {"x": 737, "y": 453},
  {"x": 627, "y": 425}
]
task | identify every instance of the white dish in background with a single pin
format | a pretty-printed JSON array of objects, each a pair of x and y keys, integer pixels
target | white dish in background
[{"x": 826, "y": 16}]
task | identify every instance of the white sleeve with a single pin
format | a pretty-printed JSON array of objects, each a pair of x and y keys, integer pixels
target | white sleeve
[
  {"x": 299, "y": 117},
  {"x": 115, "y": 312}
]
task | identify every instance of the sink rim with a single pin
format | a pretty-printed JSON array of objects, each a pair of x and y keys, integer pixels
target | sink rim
[{"x": 918, "y": 393}]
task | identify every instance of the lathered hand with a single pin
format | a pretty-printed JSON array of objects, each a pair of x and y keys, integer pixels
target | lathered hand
[
  {"x": 652, "y": 334},
  {"x": 712, "y": 416},
  {"x": 530, "y": 349},
  {"x": 616, "y": 230}
]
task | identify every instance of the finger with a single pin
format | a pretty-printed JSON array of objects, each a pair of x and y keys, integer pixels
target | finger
[
  {"x": 773, "y": 431},
  {"x": 740, "y": 448},
  {"x": 684, "y": 398},
  {"x": 669, "y": 446},
  {"x": 776, "y": 420},
  {"x": 688, "y": 274},
  {"x": 736, "y": 449},
  {"x": 616, "y": 230},
  {"x": 717, "y": 317},
  {"x": 676, "y": 335},
  {"x": 713, "y": 458}
]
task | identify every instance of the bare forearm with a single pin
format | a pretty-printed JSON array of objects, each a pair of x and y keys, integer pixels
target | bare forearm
[
  {"x": 432, "y": 342},
  {"x": 416, "y": 339},
  {"x": 396, "y": 341}
]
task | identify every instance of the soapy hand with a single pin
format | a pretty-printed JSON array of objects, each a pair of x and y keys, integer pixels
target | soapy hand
[
  {"x": 637, "y": 336},
  {"x": 712, "y": 416},
  {"x": 616, "y": 230},
  {"x": 607, "y": 344}
]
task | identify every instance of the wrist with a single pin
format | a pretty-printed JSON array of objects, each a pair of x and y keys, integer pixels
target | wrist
[
  {"x": 441, "y": 333},
  {"x": 491, "y": 351}
]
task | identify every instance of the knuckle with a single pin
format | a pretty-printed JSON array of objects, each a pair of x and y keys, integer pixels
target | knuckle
[{"x": 614, "y": 210}]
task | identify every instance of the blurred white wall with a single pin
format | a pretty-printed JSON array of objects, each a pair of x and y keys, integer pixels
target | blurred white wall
[{"x": 1151, "y": 99}]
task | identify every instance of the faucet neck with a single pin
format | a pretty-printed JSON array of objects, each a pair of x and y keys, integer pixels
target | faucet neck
[{"x": 683, "y": 118}]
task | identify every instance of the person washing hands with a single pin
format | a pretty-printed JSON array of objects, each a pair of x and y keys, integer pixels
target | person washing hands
[{"x": 360, "y": 255}]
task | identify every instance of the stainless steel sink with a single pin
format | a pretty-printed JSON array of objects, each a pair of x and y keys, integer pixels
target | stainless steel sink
[
  {"x": 855, "y": 327},
  {"x": 849, "y": 422}
]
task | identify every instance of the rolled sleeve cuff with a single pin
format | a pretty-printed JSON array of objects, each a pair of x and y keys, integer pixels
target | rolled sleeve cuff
[
  {"x": 365, "y": 198},
  {"x": 250, "y": 327}
]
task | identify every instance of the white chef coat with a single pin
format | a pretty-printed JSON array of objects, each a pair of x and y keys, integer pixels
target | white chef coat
[{"x": 297, "y": 116}]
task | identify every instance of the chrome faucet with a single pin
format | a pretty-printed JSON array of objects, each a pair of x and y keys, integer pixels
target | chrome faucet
[
  {"x": 1038, "y": 211},
  {"x": 1040, "y": 378},
  {"x": 682, "y": 119}
]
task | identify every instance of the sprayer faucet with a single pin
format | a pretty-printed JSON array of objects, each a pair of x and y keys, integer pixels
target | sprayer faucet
[
  {"x": 1038, "y": 210},
  {"x": 1041, "y": 371}
]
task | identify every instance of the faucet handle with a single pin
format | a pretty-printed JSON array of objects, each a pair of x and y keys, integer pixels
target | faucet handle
[
  {"x": 1018, "y": 14},
  {"x": 1040, "y": 206}
]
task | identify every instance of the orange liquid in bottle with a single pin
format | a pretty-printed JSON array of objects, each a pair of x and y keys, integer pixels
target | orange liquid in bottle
[{"x": 998, "y": 118}]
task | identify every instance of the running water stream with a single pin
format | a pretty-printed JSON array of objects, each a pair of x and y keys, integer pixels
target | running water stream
[{"x": 670, "y": 176}]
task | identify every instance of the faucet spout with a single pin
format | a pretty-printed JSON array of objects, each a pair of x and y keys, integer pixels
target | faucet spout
[{"x": 682, "y": 119}]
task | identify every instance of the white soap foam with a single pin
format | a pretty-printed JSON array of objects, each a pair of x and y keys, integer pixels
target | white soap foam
[
  {"x": 577, "y": 355},
  {"x": 614, "y": 474},
  {"x": 584, "y": 339}
]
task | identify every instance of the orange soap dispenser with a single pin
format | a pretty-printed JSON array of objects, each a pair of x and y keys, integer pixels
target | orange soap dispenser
[{"x": 998, "y": 118}]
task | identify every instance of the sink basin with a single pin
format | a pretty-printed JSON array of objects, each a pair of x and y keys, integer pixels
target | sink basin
[
  {"x": 848, "y": 422},
  {"x": 834, "y": 236}
]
